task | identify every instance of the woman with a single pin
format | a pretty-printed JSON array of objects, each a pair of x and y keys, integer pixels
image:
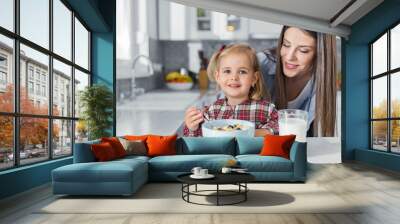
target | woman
[{"x": 305, "y": 77}]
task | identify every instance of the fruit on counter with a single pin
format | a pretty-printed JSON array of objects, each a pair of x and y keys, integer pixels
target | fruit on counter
[{"x": 177, "y": 77}]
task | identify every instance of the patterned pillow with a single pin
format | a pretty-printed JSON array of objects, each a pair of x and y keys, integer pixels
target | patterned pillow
[{"x": 134, "y": 147}]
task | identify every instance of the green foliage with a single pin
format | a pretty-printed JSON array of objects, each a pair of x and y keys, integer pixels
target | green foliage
[{"x": 96, "y": 102}]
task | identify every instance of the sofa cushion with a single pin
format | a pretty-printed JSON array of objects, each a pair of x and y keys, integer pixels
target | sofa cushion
[
  {"x": 116, "y": 145},
  {"x": 103, "y": 151},
  {"x": 275, "y": 145},
  {"x": 111, "y": 171},
  {"x": 206, "y": 145},
  {"x": 161, "y": 145},
  {"x": 257, "y": 163},
  {"x": 134, "y": 147},
  {"x": 136, "y": 137},
  {"x": 249, "y": 145},
  {"x": 185, "y": 163}
]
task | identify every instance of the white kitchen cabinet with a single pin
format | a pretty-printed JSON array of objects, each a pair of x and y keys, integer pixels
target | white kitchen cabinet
[{"x": 179, "y": 22}]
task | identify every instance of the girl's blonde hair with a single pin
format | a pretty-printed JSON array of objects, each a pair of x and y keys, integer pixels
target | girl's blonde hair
[{"x": 259, "y": 90}]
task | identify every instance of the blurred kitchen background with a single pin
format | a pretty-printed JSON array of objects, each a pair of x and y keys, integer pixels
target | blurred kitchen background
[
  {"x": 162, "y": 52},
  {"x": 156, "y": 38}
]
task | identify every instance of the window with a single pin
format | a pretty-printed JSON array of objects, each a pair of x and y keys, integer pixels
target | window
[
  {"x": 54, "y": 126},
  {"x": 62, "y": 74},
  {"x": 7, "y": 14},
  {"x": 81, "y": 45},
  {"x": 385, "y": 96},
  {"x": 3, "y": 78},
  {"x": 6, "y": 73},
  {"x": 30, "y": 72},
  {"x": 44, "y": 91},
  {"x": 62, "y": 29},
  {"x": 30, "y": 87},
  {"x": 35, "y": 21}
]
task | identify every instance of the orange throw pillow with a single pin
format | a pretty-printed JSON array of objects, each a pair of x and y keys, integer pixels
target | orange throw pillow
[
  {"x": 116, "y": 145},
  {"x": 161, "y": 145},
  {"x": 275, "y": 145},
  {"x": 103, "y": 152},
  {"x": 136, "y": 137}
]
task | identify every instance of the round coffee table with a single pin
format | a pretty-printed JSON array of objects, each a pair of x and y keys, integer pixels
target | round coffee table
[{"x": 238, "y": 179}]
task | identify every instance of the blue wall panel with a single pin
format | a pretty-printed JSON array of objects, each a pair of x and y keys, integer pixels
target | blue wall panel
[
  {"x": 356, "y": 95},
  {"x": 103, "y": 58},
  {"x": 24, "y": 178}
]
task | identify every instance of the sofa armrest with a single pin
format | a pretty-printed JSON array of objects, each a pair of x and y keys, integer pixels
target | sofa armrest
[
  {"x": 298, "y": 155},
  {"x": 83, "y": 152}
]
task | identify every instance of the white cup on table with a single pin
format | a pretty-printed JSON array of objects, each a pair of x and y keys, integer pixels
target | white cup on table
[
  {"x": 203, "y": 172},
  {"x": 196, "y": 170}
]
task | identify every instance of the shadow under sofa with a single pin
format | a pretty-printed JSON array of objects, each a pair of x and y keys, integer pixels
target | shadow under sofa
[{"x": 126, "y": 175}]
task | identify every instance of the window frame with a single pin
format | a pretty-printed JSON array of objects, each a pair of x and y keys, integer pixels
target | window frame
[
  {"x": 388, "y": 74},
  {"x": 16, "y": 114}
]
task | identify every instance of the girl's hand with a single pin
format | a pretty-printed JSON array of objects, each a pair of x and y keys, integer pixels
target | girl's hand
[
  {"x": 193, "y": 117},
  {"x": 262, "y": 132}
]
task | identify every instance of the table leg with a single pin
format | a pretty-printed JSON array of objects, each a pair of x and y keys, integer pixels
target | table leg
[
  {"x": 196, "y": 188},
  {"x": 245, "y": 191},
  {"x": 217, "y": 194}
]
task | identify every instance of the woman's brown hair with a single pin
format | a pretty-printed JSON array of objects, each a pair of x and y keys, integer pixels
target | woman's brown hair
[
  {"x": 324, "y": 75},
  {"x": 258, "y": 91}
]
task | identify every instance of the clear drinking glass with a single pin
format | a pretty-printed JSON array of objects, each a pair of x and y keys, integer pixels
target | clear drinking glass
[{"x": 293, "y": 121}]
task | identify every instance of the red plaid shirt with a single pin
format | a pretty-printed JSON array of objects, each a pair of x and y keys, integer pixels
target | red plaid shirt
[{"x": 261, "y": 112}]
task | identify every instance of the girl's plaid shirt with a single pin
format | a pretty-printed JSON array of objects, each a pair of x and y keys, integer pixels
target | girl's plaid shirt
[{"x": 261, "y": 112}]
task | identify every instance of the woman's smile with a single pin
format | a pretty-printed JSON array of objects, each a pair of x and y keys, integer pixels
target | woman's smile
[{"x": 290, "y": 66}]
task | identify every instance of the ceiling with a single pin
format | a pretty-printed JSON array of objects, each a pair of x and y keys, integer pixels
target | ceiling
[{"x": 328, "y": 16}]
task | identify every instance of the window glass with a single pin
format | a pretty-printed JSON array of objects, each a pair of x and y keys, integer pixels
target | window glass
[
  {"x": 7, "y": 14},
  {"x": 30, "y": 58},
  {"x": 6, "y": 74},
  {"x": 81, "y": 81},
  {"x": 395, "y": 136},
  {"x": 395, "y": 95},
  {"x": 62, "y": 29},
  {"x": 379, "y": 56},
  {"x": 33, "y": 139},
  {"x": 395, "y": 47},
  {"x": 379, "y": 135},
  {"x": 81, "y": 45},
  {"x": 81, "y": 131},
  {"x": 6, "y": 142},
  {"x": 62, "y": 89},
  {"x": 34, "y": 21},
  {"x": 379, "y": 98},
  {"x": 62, "y": 138}
]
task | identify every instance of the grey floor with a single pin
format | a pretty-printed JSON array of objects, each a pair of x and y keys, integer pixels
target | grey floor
[{"x": 378, "y": 190}]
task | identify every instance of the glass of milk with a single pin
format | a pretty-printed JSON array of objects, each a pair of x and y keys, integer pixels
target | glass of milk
[{"x": 292, "y": 121}]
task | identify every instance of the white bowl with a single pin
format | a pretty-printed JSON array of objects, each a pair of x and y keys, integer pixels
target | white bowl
[
  {"x": 179, "y": 85},
  {"x": 208, "y": 131}
]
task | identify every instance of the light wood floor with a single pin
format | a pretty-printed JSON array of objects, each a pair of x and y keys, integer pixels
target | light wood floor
[{"x": 378, "y": 188}]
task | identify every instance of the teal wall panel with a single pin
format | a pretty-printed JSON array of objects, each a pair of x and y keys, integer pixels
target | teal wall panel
[
  {"x": 24, "y": 178},
  {"x": 103, "y": 58},
  {"x": 377, "y": 158},
  {"x": 356, "y": 99}
]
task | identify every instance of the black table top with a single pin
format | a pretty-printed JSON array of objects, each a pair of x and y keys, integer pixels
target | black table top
[{"x": 220, "y": 178}]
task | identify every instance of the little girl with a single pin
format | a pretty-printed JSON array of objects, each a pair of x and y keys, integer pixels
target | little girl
[{"x": 237, "y": 73}]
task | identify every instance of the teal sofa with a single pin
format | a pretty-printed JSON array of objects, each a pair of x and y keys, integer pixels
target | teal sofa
[{"x": 125, "y": 176}]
